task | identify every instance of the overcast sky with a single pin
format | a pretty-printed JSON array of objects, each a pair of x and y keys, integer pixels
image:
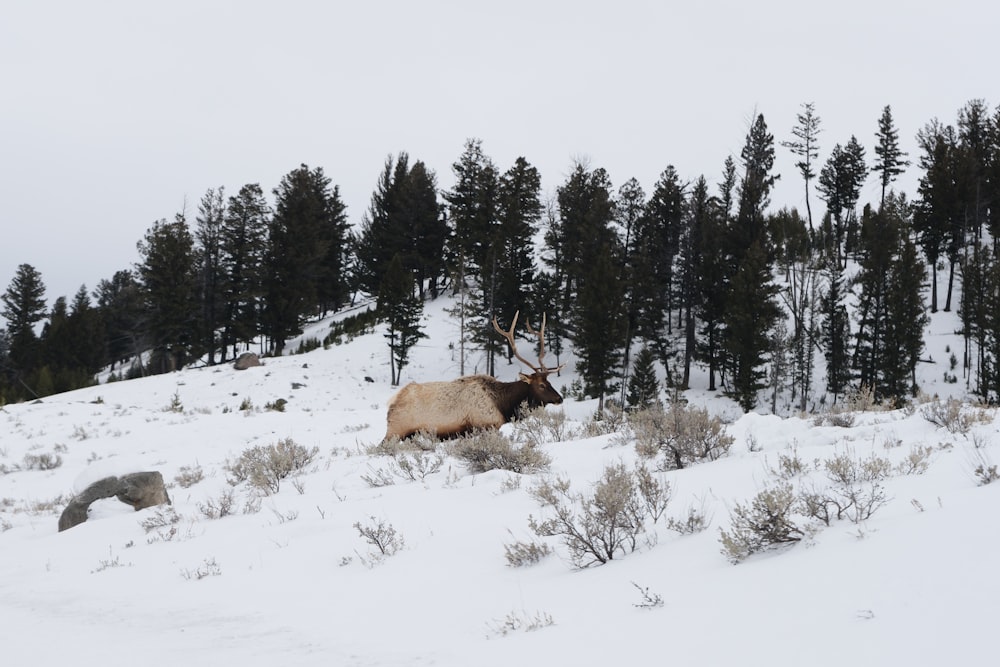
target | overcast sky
[{"x": 117, "y": 114}]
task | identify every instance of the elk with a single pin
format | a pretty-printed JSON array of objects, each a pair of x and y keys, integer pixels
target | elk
[{"x": 447, "y": 409}]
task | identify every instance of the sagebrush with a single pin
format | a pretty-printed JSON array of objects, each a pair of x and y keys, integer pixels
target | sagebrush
[
  {"x": 678, "y": 435},
  {"x": 263, "y": 467},
  {"x": 595, "y": 528},
  {"x": 489, "y": 450}
]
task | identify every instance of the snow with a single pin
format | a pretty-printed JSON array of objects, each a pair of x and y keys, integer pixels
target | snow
[{"x": 295, "y": 584}]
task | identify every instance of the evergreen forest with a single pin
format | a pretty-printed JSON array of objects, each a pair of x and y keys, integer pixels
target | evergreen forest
[{"x": 708, "y": 274}]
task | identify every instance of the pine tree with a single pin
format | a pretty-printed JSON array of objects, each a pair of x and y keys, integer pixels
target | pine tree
[
  {"x": 805, "y": 147},
  {"x": 169, "y": 288},
  {"x": 544, "y": 298},
  {"x": 120, "y": 304},
  {"x": 242, "y": 263},
  {"x": 890, "y": 159},
  {"x": 891, "y": 312},
  {"x": 55, "y": 345},
  {"x": 380, "y": 237},
  {"x": 700, "y": 209},
  {"x": 333, "y": 288},
  {"x": 905, "y": 318},
  {"x": 72, "y": 344},
  {"x": 208, "y": 238},
  {"x": 90, "y": 350},
  {"x": 974, "y": 134},
  {"x": 781, "y": 363},
  {"x": 586, "y": 211},
  {"x": 401, "y": 309},
  {"x": 992, "y": 190},
  {"x": 473, "y": 212},
  {"x": 511, "y": 268},
  {"x": 801, "y": 297},
  {"x": 790, "y": 238},
  {"x": 305, "y": 261},
  {"x": 428, "y": 228},
  {"x": 403, "y": 219},
  {"x": 937, "y": 209},
  {"x": 840, "y": 183},
  {"x": 547, "y": 294},
  {"x": 598, "y": 318},
  {"x": 629, "y": 210},
  {"x": 7, "y": 370},
  {"x": 751, "y": 310},
  {"x": 643, "y": 386},
  {"x": 591, "y": 289},
  {"x": 714, "y": 277},
  {"x": 727, "y": 187},
  {"x": 659, "y": 237},
  {"x": 472, "y": 208},
  {"x": 636, "y": 269},
  {"x": 24, "y": 307},
  {"x": 989, "y": 382},
  {"x": 750, "y": 316},
  {"x": 835, "y": 329}
]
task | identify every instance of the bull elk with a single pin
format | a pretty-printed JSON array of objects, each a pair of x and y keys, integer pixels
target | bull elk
[{"x": 473, "y": 402}]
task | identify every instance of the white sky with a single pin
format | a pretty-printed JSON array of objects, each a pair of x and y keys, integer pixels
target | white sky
[{"x": 116, "y": 114}]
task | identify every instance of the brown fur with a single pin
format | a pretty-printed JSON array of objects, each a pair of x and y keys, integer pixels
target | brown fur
[{"x": 468, "y": 403}]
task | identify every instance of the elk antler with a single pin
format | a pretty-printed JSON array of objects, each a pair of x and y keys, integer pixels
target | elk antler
[
  {"x": 509, "y": 335},
  {"x": 541, "y": 340}
]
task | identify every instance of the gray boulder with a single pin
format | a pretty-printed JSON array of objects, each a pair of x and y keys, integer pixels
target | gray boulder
[
  {"x": 246, "y": 360},
  {"x": 138, "y": 489}
]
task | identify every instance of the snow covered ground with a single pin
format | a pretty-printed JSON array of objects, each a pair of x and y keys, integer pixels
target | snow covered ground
[{"x": 295, "y": 583}]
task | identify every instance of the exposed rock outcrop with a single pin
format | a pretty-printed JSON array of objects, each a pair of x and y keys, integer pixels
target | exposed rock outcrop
[{"x": 138, "y": 489}]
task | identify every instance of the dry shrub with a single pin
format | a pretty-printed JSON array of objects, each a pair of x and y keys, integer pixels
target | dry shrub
[
  {"x": 983, "y": 469},
  {"x": 224, "y": 505},
  {"x": 603, "y": 422},
  {"x": 413, "y": 466},
  {"x": 917, "y": 461},
  {"x": 679, "y": 435},
  {"x": 263, "y": 467},
  {"x": 607, "y": 523},
  {"x": 845, "y": 469},
  {"x": 491, "y": 450},
  {"x": 861, "y": 399},
  {"x": 693, "y": 521},
  {"x": 520, "y": 554},
  {"x": 208, "y": 568},
  {"x": 421, "y": 441},
  {"x": 517, "y": 621},
  {"x": 381, "y": 535},
  {"x": 854, "y": 491},
  {"x": 790, "y": 466},
  {"x": 537, "y": 426},
  {"x": 44, "y": 461},
  {"x": 188, "y": 476},
  {"x": 954, "y": 415},
  {"x": 764, "y": 523}
]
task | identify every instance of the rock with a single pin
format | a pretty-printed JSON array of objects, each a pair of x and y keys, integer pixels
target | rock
[
  {"x": 138, "y": 489},
  {"x": 246, "y": 360}
]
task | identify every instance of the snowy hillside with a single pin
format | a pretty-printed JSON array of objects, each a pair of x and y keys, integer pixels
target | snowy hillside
[{"x": 288, "y": 579}]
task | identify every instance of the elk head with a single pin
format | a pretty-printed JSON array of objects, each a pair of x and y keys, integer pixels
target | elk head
[{"x": 540, "y": 392}]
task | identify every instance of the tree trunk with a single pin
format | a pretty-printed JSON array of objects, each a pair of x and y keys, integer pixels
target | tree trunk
[
  {"x": 934, "y": 286},
  {"x": 951, "y": 280},
  {"x": 689, "y": 344}
]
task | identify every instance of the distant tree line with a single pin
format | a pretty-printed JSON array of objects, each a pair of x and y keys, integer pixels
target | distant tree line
[{"x": 691, "y": 275}]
